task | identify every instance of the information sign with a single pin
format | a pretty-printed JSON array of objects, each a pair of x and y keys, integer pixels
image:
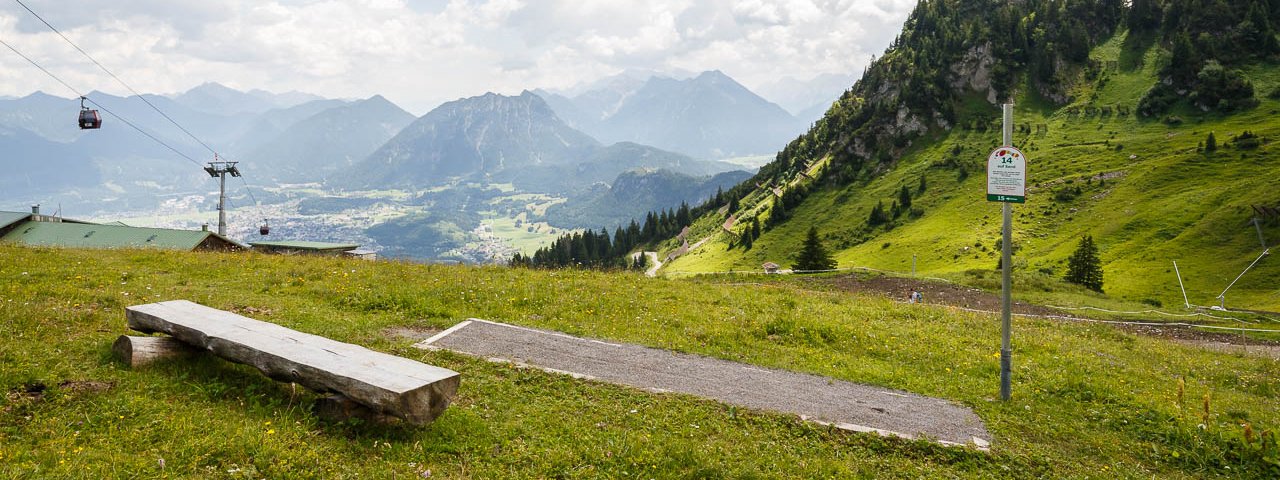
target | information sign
[{"x": 1007, "y": 176}]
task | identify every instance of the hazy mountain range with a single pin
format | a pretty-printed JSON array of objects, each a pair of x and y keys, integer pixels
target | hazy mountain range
[
  {"x": 616, "y": 147},
  {"x": 709, "y": 116},
  {"x": 504, "y": 139}
]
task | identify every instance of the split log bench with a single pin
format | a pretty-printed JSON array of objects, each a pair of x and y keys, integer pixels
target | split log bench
[{"x": 386, "y": 384}]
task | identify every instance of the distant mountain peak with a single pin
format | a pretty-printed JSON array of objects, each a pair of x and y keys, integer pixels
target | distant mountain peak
[{"x": 480, "y": 135}]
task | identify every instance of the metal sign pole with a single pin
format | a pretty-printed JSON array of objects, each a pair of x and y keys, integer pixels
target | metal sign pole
[{"x": 1006, "y": 254}]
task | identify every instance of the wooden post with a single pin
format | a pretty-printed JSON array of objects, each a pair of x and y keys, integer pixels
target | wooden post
[{"x": 139, "y": 351}]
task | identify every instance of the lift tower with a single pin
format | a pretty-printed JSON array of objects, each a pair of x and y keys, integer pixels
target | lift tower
[{"x": 219, "y": 170}]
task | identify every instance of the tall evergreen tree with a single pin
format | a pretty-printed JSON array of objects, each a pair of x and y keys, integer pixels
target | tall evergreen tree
[
  {"x": 1144, "y": 15},
  {"x": 878, "y": 216},
  {"x": 778, "y": 213},
  {"x": 813, "y": 256},
  {"x": 1084, "y": 267}
]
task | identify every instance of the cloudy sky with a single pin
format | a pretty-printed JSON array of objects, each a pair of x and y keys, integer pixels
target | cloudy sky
[{"x": 419, "y": 53}]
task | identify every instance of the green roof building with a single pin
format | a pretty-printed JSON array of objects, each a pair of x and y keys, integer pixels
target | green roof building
[{"x": 43, "y": 231}]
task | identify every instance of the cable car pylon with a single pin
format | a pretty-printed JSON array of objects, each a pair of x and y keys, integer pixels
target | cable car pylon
[{"x": 219, "y": 169}]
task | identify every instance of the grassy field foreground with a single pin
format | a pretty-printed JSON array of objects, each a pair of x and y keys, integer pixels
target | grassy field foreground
[{"x": 1089, "y": 400}]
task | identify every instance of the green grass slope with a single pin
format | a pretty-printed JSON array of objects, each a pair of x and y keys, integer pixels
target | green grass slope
[
  {"x": 1137, "y": 185},
  {"x": 1089, "y": 400}
]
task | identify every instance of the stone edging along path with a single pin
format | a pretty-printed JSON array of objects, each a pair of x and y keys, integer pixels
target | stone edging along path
[{"x": 845, "y": 405}]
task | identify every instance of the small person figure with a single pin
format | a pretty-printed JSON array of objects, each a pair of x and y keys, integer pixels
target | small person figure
[
  {"x": 919, "y": 297},
  {"x": 911, "y": 297}
]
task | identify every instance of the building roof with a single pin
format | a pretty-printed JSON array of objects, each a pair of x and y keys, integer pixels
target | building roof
[
  {"x": 10, "y": 218},
  {"x": 79, "y": 235},
  {"x": 302, "y": 245}
]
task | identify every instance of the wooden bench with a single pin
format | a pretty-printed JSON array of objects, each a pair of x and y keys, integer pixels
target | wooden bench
[{"x": 387, "y": 384}]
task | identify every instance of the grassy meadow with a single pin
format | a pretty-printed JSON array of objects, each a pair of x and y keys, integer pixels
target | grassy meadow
[
  {"x": 1090, "y": 401},
  {"x": 1142, "y": 187}
]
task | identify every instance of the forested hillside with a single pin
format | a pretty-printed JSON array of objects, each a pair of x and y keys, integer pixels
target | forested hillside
[{"x": 1147, "y": 127}]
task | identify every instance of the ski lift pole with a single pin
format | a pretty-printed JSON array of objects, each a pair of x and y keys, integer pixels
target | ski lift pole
[
  {"x": 1222, "y": 296},
  {"x": 1185, "y": 302}
]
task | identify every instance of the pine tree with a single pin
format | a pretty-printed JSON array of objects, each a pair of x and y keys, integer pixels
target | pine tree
[
  {"x": 904, "y": 198},
  {"x": 1211, "y": 143},
  {"x": 877, "y": 217},
  {"x": 778, "y": 213},
  {"x": 1084, "y": 267},
  {"x": 813, "y": 256}
]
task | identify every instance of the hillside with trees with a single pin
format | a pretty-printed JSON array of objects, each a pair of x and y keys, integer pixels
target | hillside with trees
[{"x": 894, "y": 171}]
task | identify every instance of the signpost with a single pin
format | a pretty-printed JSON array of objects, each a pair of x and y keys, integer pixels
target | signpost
[
  {"x": 1006, "y": 183},
  {"x": 1007, "y": 175}
]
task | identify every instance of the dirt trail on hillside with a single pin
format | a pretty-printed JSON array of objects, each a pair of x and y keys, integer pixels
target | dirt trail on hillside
[{"x": 950, "y": 294}]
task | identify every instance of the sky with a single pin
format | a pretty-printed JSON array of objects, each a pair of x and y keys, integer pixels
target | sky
[{"x": 421, "y": 53}]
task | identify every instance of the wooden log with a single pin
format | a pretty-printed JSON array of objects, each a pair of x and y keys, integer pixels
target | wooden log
[
  {"x": 340, "y": 408},
  {"x": 411, "y": 390},
  {"x": 139, "y": 351}
]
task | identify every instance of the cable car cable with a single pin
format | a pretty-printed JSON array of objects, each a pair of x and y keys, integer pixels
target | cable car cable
[
  {"x": 104, "y": 69},
  {"x": 96, "y": 104},
  {"x": 131, "y": 90}
]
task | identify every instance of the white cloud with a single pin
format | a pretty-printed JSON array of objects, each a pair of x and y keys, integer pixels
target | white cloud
[{"x": 419, "y": 53}]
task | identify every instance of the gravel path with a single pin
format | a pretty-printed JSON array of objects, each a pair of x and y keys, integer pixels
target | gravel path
[
  {"x": 654, "y": 264},
  {"x": 846, "y": 405}
]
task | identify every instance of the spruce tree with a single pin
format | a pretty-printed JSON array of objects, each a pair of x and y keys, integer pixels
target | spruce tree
[
  {"x": 778, "y": 213},
  {"x": 877, "y": 216},
  {"x": 813, "y": 256},
  {"x": 1084, "y": 267},
  {"x": 1211, "y": 143}
]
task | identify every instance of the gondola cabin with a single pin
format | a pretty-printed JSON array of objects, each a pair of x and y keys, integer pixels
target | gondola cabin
[{"x": 89, "y": 118}]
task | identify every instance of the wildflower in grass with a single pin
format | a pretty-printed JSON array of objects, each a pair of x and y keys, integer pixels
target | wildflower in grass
[{"x": 271, "y": 432}]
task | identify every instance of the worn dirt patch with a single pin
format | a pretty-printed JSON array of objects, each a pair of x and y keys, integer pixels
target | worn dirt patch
[
  {"x": 35, "y": 392},
  {"x": 934, "y": 292},
  {"x": 86, "y": 386},
  {"x": 414, "y": 333},
  {"x": 966, "y": 297},
  {"x": 1222, "y": 342},
  {"x": 250, "y": 310}
]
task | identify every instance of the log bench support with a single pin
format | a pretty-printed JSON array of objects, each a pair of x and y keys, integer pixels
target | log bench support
[
  {"x": 385, "y": 384},
  {"x": 138, "y": 351}
]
